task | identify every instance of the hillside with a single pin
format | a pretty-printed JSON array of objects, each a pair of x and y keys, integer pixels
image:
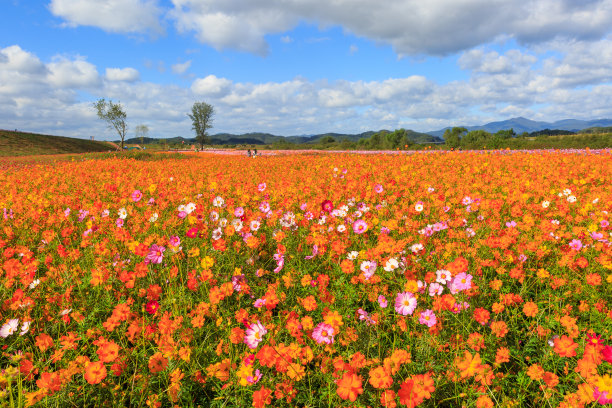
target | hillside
[
  {"x": 267, "y": 138},
  {"x": 14, "y": 143}
]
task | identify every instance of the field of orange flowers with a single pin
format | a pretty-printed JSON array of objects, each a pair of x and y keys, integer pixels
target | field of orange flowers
[{"x": 340, "y": 280}]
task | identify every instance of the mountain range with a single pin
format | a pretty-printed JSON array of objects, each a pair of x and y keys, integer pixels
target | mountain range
[{"x": 519, "y": 125}]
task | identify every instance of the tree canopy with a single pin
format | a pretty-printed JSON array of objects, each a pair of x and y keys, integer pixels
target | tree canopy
[
  {"x": 201, "y": 116},
  {"x": 114, "y": 115}
]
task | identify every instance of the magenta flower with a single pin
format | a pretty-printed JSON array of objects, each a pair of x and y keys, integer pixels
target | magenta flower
[
  {"x": 606, "y": 353},
  {"x": 428, "y": 318},
  {"x": 360, "y": 226},
  {"x": 327, "y": 206},
  {"x": 136, "y": 196},
  {"x": 323, "y": 333},
  {"x": 155, "y": 255},
  {"x": 315, "y": 252},
  {"x": 174, "y": 241},
  {"x": 119, "y": 223},
  {"x": 405, "y": 303},
  {"x": 192, "y": 232}
]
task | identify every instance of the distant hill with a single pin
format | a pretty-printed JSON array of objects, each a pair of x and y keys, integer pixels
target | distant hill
[
  {"x": 267, "y": 138},
  {"x": 521, "y": 125},
  {"x": 14, "y": 143}
]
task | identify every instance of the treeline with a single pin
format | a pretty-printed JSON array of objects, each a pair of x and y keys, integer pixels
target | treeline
[{"x": 461, "y": 138}]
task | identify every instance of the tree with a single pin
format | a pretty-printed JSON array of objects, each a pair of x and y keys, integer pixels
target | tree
[
  {"x": 201, "y": 116},
  {"x": 141, "y": 132},
  {"x": 452, "y": 137},
  {"x": 114, "y": 115}
]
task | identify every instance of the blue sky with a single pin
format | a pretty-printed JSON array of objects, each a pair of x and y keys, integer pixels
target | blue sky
[{"x": 302, "y": 66}]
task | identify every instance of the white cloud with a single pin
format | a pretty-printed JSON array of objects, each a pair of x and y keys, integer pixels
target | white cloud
[
  {"x": 179, "y": 68},
  {"x": 120, "y": 16},
  {"x": 211, "y": 86},
  {"x": 55, "y": 96},
  {"x": 286, "y": 39},
  {"x": 122, "y": 74},
  {"x": 64, "y": 73},
  {"x": 437, "y": 27}
]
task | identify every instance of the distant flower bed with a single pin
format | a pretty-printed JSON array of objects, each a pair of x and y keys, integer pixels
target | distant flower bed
[{"x": 447, "y": 279}]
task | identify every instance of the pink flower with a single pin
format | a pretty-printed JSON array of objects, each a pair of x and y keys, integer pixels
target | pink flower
[
  {"x": 261, "y": 187},
  {"x": 182, "y": 214},
  {"x": 323, "y": 333},
  {"x": 462, "y": 282},
  {"x": 378, "y": 188},
  {"x": 264, "y": 207},
  {"x": 254, "y": 334},
  {"x": 315, "y": 252},
  {"x": 382, "y": 301},
  {"x": 239, "y": 212},
  {"x": 136, "y": 196},
  {"x": 360, "y": 226},
  {"x": 174, "y": 241},
  {"x": 576, "y": 244},
  {"x": 368, "y": 268},
  {"x": 119, "y": 223},
  {"x": 405, "y": 303},
  {"x": 259, "y": 303},
  {"x": 428, "y": 318},
  {"x": 155, "y": 255}
]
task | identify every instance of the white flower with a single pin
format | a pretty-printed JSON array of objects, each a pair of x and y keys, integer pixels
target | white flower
[
  {"x": 65, "y": 312},
  {"x": 181, "y": 208},
  {"x": 25, "y": 327},
  {"x": 216, "y": 234},
  {"x": 222, "y": 222},
  {"x": 418, "y": 207},
  {"x": 255, "y": 225},
  {"x": 443, "y": 276},
  {"x": 9, "y": 328},
  {"x": 105, "y": 213},
  {"x": 154, "y": 217},
  {"x": 122, "y": 213},
  {"x": 545, "y": 204},
  {"x": 416, "y": 248},
  {"x": 567, "y": 192},
  {"x": 218, "y": 202},
  {"x": 571, "y": 199},
  {"x": 189, "y": 208},
  {"x": 391, "y": 265},
  {"x": 352, "y": 255},
  {"x": 595, "y": 201},
  {"x": 34, "y": 283},
  {"x": 341, "y": 228},
  {"x": 237, "y": 224},
  {"x": 214, "y": 216}
]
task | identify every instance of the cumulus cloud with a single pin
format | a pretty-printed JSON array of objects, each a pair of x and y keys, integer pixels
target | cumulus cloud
[
  {"x": 181, "y": 68},
  {"x": 437, "y": 27},
  {"x": 122, "y": 74},
  {"x": 55, "y": 96},
  {"x": 119, "y": 16}
]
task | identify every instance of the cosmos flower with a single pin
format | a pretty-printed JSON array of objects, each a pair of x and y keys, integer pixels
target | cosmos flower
[
  {"x": 254, "y": 334},
  {"x": 360, "y": 226},
  {"x": 405, "y": 303},
  {"x": 323, "y": 333}
]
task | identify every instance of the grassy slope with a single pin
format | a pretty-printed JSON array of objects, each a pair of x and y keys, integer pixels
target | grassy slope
[{"x": 25, "y": 144}]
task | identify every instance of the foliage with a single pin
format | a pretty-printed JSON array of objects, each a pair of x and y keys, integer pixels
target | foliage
[
  {"x": 15, "y": 143},
  {"x": 201, "y": 115},
  {"x": 114, "y": 115},
  {"x": 452, "y": 137}
]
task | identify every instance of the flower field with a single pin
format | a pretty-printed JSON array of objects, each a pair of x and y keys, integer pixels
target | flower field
[{"x": 329, "y": 280}]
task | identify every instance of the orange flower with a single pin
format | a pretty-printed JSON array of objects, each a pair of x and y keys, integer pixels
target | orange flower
[
  {"x": 502, "y": 355},
  {"x": 157, "y": 363},
  {"x": 424, "y": 385},
  {"x": 95, "y": 372},
  {"x": 469, "y": 365},
  {"x": 44, "y": 342},
  {"x": 387, "y": 399},
  {"x": 108, "y": 351},
  {"x": 535, "y": 372},
  {"x": 408, "y": 394},
  {"x": 484, "y": 402},
  {"x": 262, "y": 397},
  {"x": 550, "y": 379},
  {"x": 50, "y": 381},
  {"x": 349, "y": 386},
  {"x": 499, "y": 328},
  {"x": 530, "y": 309},
  {"x": 380, "y": 378},
  {"x": 565, "y": 346}
]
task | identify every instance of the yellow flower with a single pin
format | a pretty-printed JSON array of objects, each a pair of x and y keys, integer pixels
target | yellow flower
[{"x": 207, "y": 262}]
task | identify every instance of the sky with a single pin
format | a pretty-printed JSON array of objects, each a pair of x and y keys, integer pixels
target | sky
[{"x": 301, "y": 67}]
